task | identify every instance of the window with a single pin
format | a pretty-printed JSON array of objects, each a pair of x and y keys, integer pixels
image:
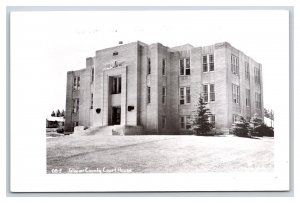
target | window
[
  {"x": 205, "y": 93},
  {"x": 164, "y": 95},
  {"x": 181, "y": 65},
  {"x": 148, "y": 95},
  {"x": 257, "y": 75},
  {"x": 164, "y": 67},
  {"x": 184, "y": 65},
  {"x": 181, "y": 95},
  {"x": 92, "y": 100},
  {"x": 234, "y": 65},
  {"x": 235, "y": 94},
  {"x": 209, "y": 92},
  {"x": 115, "y": 53},
  {"x": 184, "y": 95},
  {"x": 188, "y": 95},
  {"x": 92, "y": 76},
  {"x": 247, "y": 72},
  {"x": 149, "y": 66},
  {"x": 116, "y": 84},
  {"x": 187, "y": 66},
  {"x": 235, "y": 118},
  {"x": 211, "y": 63},
  {"x": 212, "y": 119},
  {"x": 257, "y": 100},
  {"x": 76, "y": 83},
  {"x": 248, "y": 97},
  {"x": 185, "y": 122},
  {"x": 212, "y": 92},
  {"x": 204, "y": 63},
  {"x": 208, "y": 66},
  {"x": 182, "y": 122},
  {"x": 75, "y": 105},
  {"x": 164, "y": 121}
]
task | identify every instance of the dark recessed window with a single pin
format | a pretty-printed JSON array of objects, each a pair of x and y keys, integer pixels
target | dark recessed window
[
  {"x": 184, "y": 65},
  {"x": 115, "y": 84},
  {"x": 148, "y": 95},
  {"x": 149, "y": 66}
]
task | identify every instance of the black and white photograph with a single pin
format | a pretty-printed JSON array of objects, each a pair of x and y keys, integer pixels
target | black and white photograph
[{"x": 154, "y": 100}]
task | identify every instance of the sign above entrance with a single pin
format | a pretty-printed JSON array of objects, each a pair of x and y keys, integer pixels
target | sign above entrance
[{"x": 113, "y": 65}]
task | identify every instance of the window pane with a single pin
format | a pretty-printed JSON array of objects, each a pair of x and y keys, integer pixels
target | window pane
[
  {"x": 204, "y": 59},
  {"x": 204, "y": 63},
  {"x": 181, "y": 95},
  {"x": 212, "y": 92},
  {"x": 149, "y": 66},
  {"x": 148, "y": 95},
  {"x": 187, "y": 62},
  {"x": 204, "y": 67},
  {"x": 187, "y": 71},
  {"x": 188, "y": 95},
  {"x": 181, "y": 63},
  {"x": 164, "y": 66},
  {"x": 211, "y": 67},
  {"x": 211, "y": 58},
  {"x": 205, "y": 93},
  {"x": 119, "y": 85},
  {"x": 188, "y": 122},
  {"x": 182, "y": 124}
]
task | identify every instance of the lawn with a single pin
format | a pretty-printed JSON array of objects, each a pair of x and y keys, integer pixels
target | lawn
[{"x": 159, "y": 154}]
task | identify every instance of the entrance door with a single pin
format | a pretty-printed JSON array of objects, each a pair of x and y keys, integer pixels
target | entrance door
[{"x": 116, "y": 115}]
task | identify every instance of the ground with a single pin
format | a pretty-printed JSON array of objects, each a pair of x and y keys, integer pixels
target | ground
[{"x": 158, "y": 154}]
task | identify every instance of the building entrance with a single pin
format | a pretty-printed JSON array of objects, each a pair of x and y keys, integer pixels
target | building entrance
[{"x": 116, "y": 115}]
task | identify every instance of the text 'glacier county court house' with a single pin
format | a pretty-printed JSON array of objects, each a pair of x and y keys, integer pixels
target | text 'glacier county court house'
[{"x": 156, "y": 88}]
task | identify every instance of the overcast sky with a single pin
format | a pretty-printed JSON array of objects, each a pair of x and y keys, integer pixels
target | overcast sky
[{"x": 45, "y": 45}]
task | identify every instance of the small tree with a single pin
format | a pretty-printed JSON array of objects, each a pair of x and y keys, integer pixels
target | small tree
[
  {"x": 57, "y": 113},
  {"x": 53, "y": 114},
  {"x": 241, "y": 127},
  {"x": 200, "y": 122},
  {"x": 62, "y": 114},
  {"x": 255, "y": 123}
]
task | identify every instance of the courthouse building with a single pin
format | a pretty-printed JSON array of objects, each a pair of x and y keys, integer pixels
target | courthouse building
[{"x": 156, "y": 88}]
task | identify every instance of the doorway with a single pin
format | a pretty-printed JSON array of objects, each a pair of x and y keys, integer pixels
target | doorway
[{"x": 116, "y": 115}]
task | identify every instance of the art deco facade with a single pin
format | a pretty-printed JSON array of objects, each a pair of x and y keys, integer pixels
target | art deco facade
[{"x": 156, "y": 88}]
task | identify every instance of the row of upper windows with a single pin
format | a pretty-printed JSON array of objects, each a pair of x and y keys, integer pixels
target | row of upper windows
[
  {"x": 207, "y": 64},
  {"x": 235, "y": 69},
  {"x": 184, "y": 65},
  {"x": 236, "y": 97}
]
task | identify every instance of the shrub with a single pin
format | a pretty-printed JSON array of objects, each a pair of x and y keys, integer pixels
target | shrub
[
  {"x": 264, "y": 130},
  {"x": 60, "y": 130},
  {"x": 255, "y": 123},
  {"x": 241, "y": 128}
]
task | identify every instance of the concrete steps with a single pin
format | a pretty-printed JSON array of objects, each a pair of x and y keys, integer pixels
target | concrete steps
[{"x": 103, "y": 131}]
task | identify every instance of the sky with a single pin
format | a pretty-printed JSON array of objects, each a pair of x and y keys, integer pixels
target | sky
[{"x": 45, "y": 45}]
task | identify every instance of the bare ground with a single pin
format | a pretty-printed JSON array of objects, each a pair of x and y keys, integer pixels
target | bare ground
[{"x": 160, "y": 154}]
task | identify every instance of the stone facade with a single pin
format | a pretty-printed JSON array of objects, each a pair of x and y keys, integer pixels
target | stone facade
[{"x": 156, "y": 88}]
